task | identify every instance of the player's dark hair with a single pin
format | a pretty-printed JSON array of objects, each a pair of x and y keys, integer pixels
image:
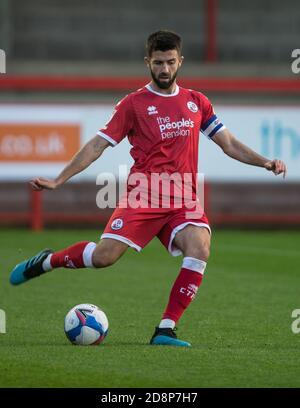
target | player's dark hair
[{"x": 163, "y": 40}]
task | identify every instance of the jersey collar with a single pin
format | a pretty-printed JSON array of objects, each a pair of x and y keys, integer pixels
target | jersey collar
[{"x": 161, "y": 94}]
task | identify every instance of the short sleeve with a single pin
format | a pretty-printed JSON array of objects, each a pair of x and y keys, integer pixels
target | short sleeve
[
  {"x": 120, "y": 123},
  {"x": 211, "y": 124}
]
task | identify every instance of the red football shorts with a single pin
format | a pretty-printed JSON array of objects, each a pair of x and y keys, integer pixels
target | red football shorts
[{"x": 137, "y": 227}]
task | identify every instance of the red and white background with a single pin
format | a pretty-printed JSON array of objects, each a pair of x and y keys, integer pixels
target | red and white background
[{"x": 40, "y": 140}]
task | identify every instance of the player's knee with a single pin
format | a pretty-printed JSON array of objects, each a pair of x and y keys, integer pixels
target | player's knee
[
  {"x": 199, "y": 251},
  {"x": 107, "y": 252},
  {"x": 205, "y": 252}
]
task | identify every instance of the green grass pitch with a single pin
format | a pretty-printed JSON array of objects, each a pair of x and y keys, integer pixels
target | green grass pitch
[{"x": 239, "y": 324}]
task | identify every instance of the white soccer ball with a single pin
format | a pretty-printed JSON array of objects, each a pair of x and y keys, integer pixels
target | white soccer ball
[{"x": 86, "y": 324}]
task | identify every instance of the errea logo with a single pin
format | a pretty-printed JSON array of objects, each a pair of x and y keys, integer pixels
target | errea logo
[{"x": 152, "y": 110}]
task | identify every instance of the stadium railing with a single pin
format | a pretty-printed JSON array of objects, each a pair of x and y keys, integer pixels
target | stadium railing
[
  {"x": 43, "y": 209},
  {"x": 127, "y": 83}
]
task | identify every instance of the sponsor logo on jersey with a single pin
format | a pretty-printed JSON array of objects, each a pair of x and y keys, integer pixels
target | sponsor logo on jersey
[
  {"x": 192, "y": 106},
  {"x": 152, "y": 110},
  {"x": 117, "y": 224},
  {"x": 169, "y": 130}
]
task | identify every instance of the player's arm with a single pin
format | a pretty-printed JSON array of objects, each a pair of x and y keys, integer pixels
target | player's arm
[
  {"x": 90, "y": 152},
  {"x": 237, "y": 150}
]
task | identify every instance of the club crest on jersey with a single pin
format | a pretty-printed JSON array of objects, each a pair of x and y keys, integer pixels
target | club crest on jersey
[
  {"x": 192, "y": 106},
  {"x": 152, "y": 110},
  {"x": 117, "y": 224}
]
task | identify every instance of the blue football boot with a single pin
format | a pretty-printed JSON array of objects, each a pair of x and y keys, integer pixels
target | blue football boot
[
  {"x": 167, "y": 337},
  {"x": 29, "y": 269}
]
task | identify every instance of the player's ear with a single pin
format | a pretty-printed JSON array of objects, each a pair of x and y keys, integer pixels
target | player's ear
[
  {"x": 181, "y": 59},
  {"x": 147, "y": 61}
]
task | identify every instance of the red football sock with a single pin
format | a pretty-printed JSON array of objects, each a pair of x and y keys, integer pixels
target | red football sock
[
  {"x": 185, "y": 288},
  {"x": 76, "y": 256}
]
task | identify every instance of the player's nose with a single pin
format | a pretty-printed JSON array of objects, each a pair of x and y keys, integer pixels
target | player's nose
[
  {"x": 165, "y": 72},
  {"x": 165, "y": 69}
]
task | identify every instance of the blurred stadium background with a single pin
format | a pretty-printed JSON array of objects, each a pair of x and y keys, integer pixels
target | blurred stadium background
[{"x": 68, "y": 63}]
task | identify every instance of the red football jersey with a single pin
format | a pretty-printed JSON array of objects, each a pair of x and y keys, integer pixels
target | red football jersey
[{"x": 163, "y": 129}]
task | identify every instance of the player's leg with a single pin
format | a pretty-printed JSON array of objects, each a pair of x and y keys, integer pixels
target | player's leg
[
  {"x": 193, "y": 241},
  {"x": 87, "y": 255},
  {"x": 83, "y": 254},
  {"x": 125, "y": 228}
]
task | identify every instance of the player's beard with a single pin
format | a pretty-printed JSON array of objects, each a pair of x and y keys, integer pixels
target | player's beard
[{"x": 164, "y": 84}]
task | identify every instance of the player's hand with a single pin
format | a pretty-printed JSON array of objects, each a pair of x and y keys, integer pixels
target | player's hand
[
  {"x": 277, "y": 167},
  {"x": 42, "y": 183}
]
